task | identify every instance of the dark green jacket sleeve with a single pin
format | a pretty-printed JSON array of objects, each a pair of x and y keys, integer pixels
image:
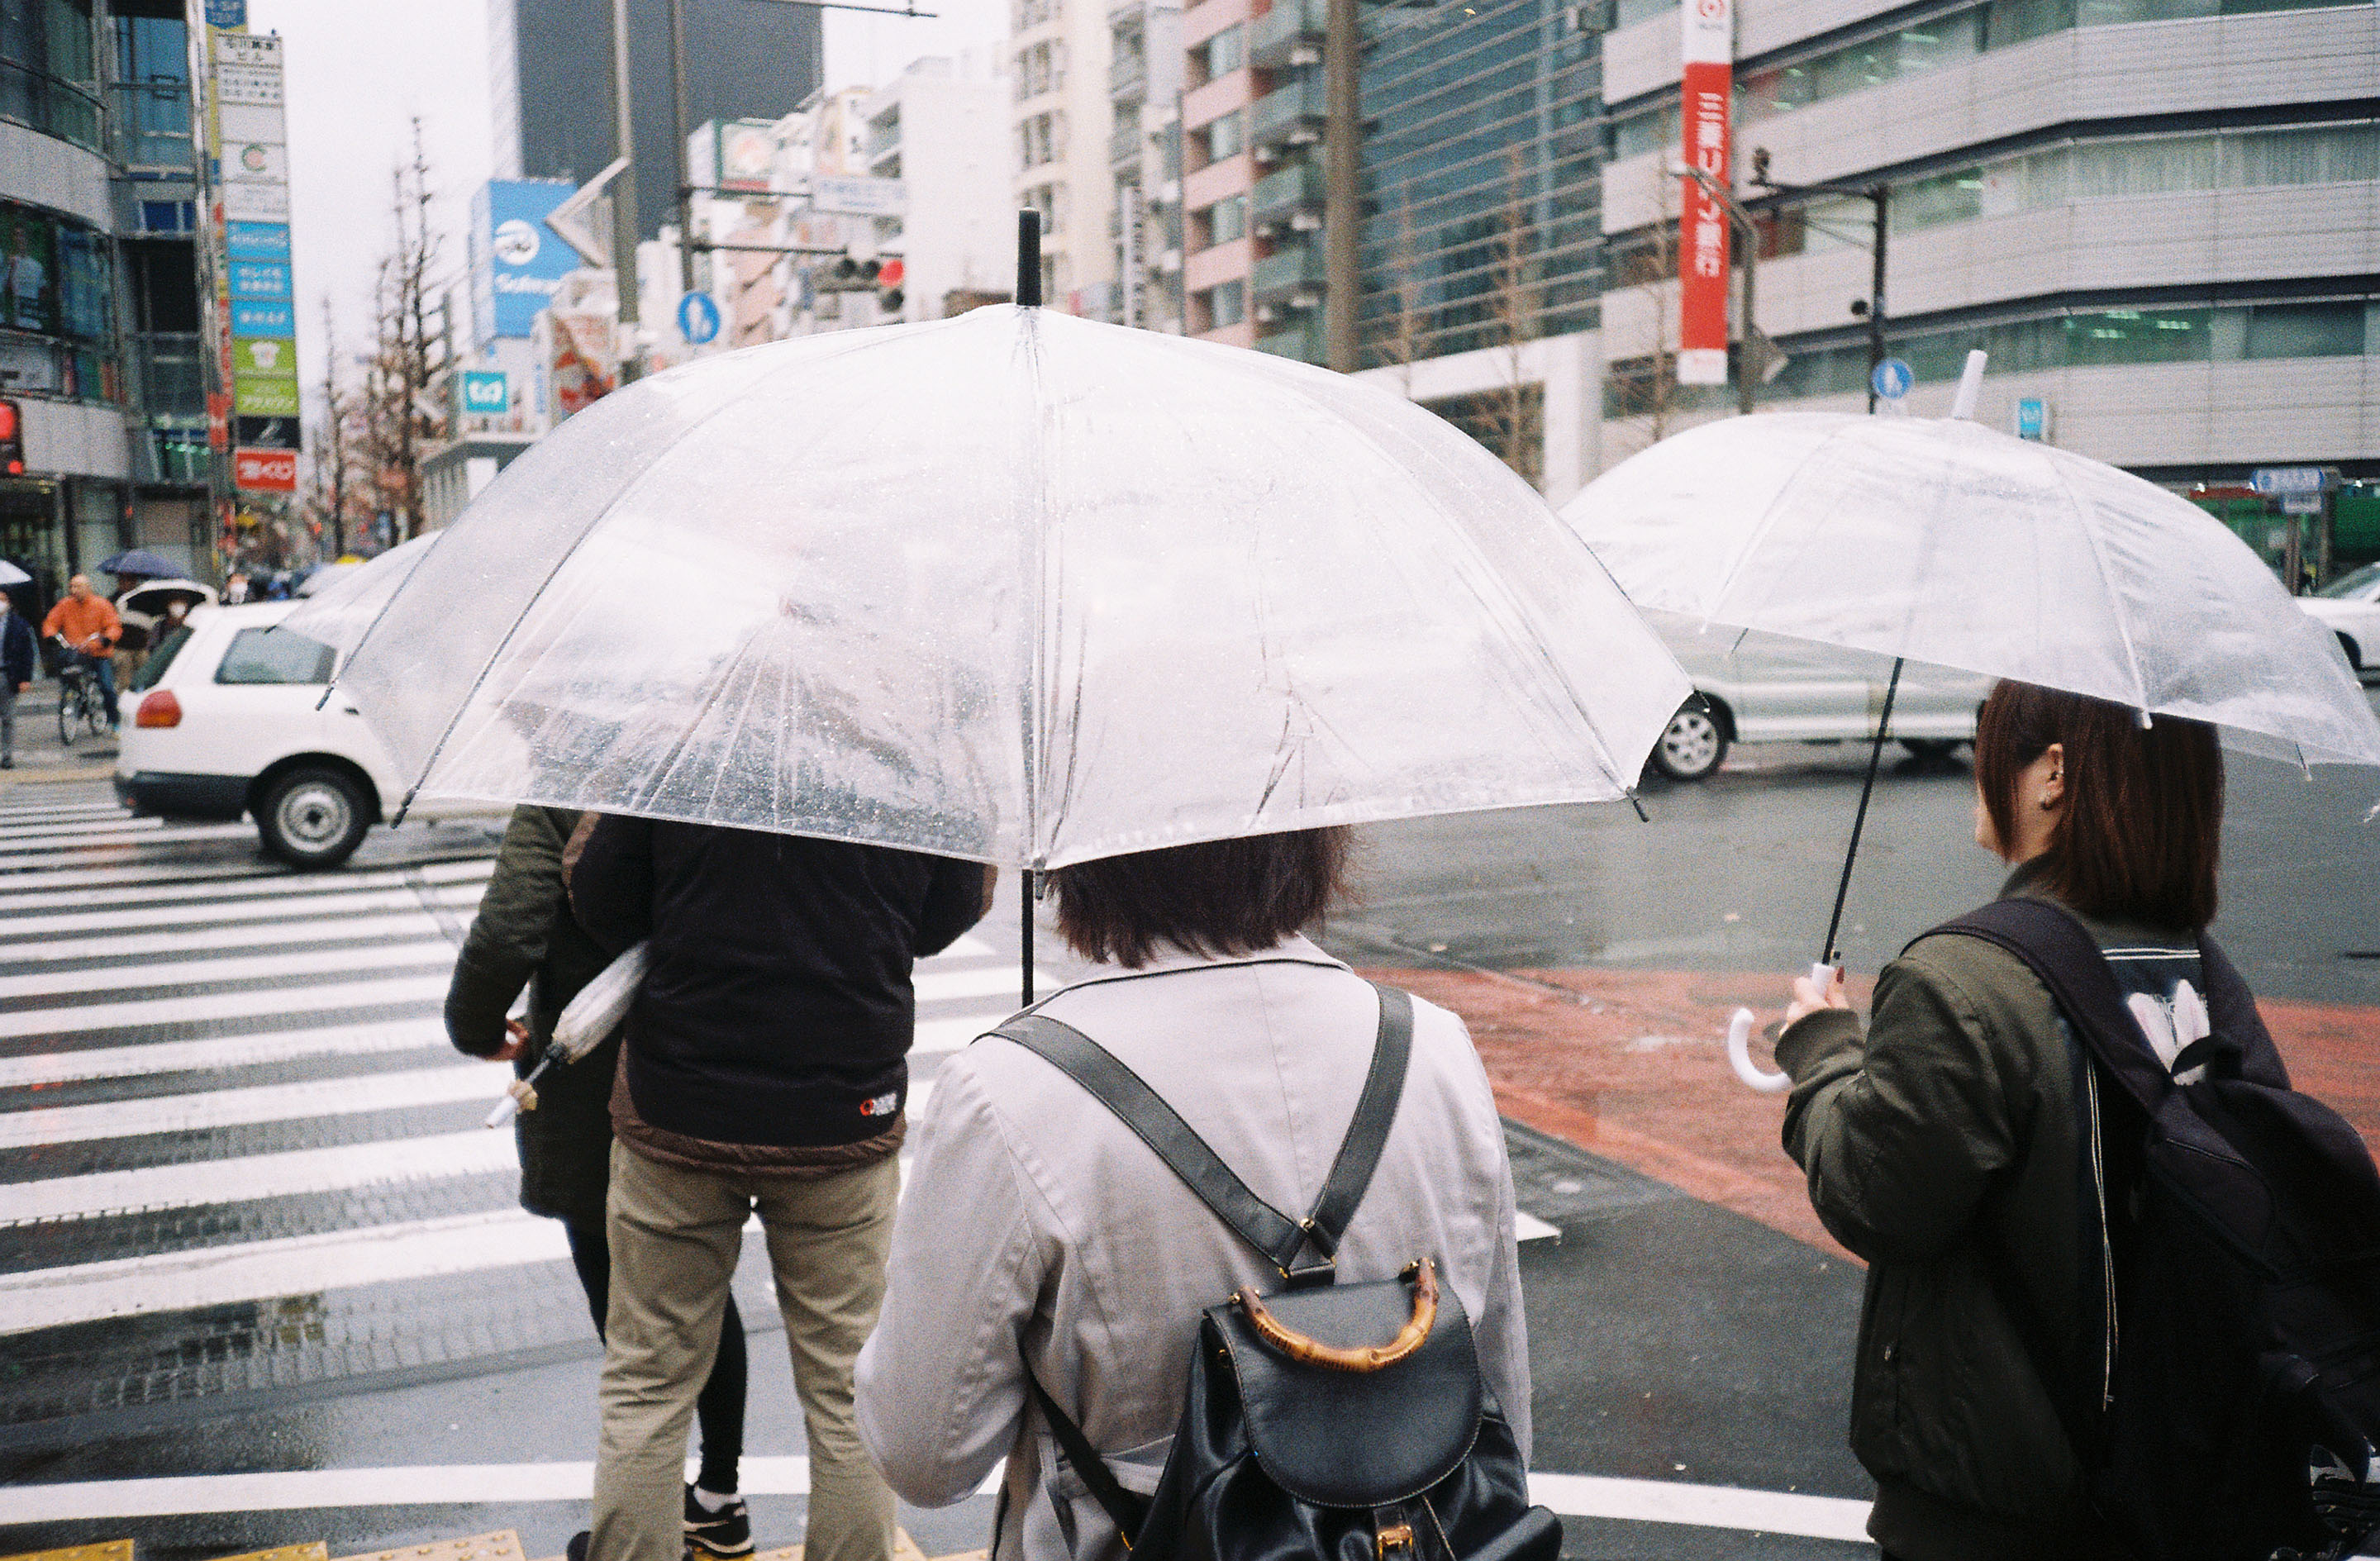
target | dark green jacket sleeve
[
  {"x": 509, "y": 937},
  {"x": 1900, "y": 1133}
]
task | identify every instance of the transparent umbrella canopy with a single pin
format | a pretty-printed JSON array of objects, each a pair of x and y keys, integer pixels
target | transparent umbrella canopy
[
  {"x": 1015, "y": 587},
  {"x": 340, "y": 612},
  {"x": 1944, "y": 542}
]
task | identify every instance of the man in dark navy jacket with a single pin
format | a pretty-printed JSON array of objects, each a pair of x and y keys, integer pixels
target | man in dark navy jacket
[
  {"x": 765, "y": 1069},
  {"x": 17, "y": 654}
]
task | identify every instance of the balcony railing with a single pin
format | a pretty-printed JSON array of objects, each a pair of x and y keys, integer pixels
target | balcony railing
[
  {"x": 1294, "y": 113},
  {"x": 1124, "y": 143},
  {"x": 1295, "y": 269},
  {"x": 1128, "y": 76},
  {"x": 1295, "y": 188},
  {"x": 1276, "y": 36},
  {"x": 173, "y": 375},
  {"x": 53, "y": 107},
  {"x": 153, "y": 124},
  {"x": 1305, "y": 343}
]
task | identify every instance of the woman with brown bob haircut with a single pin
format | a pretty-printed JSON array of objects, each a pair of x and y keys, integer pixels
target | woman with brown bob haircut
[
  {"x": 1953, "y": 1144},
  {"x": 1039, "y": 1231}
]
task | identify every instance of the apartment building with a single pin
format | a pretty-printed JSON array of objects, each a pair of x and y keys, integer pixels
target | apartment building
[
  {"x": 935, "y": 128},
  {"x": 2161, "y": 218},
  {"x": 1062, "y": 122},
  {"x": 1145, "y": 221},
  {"x": 100, "y": 310}
]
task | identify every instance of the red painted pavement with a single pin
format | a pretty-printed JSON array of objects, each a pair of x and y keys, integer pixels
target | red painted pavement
[{"x": 1631, "y": 1065}]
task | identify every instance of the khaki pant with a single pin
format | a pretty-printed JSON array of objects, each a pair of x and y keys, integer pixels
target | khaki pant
[{"x": 676, "y": 1235}]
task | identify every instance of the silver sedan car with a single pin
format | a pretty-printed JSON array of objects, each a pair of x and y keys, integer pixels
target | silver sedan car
[{"x": 1768, "y": 688}]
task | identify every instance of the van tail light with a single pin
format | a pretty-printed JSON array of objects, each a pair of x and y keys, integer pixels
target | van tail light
[{"x": 158, "y": 707}]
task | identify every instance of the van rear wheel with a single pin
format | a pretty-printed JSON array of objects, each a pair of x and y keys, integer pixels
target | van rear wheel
[
  {"x": 1694, "y": 744},
  {"x": 313, "y": 818}
]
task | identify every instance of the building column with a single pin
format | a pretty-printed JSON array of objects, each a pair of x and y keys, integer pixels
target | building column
[
  {"x": 1569, "y": 379},
  {"x": 1341, "y": 203}
]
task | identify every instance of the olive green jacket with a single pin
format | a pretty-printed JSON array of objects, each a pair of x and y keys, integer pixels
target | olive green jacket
[
  {"x": 524, "y": 936},
  {"x": 1945, "y": 1148}
]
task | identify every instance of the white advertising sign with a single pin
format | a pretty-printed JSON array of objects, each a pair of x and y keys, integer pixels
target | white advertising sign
[
  {"x": 255, "y": 201},
  {"x": 858, "y": 196},
  {"x": 247, "y": 84},
  {"x": 266, "y": 161},
  {"x": 253, "y": 122}
]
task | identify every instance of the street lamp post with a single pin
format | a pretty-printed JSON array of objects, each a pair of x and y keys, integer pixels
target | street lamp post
[{"x": 1871, "y": 308}]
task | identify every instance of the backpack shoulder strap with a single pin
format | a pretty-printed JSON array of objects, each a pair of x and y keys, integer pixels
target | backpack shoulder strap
[
  {"x": 2232, "y": 1012},
  {"x": 1265, "y": 1228},
  {"x": 1126, "y": 1509},
  {"x": 2060, "y": 952}
]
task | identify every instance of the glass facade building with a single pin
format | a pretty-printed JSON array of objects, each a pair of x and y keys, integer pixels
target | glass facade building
[{"x": 1481, "y": 173}]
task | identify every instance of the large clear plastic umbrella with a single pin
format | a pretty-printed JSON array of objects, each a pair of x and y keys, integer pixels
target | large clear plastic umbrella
[
  {"x": 1940, "y": 541},
  {"x": 342, "y": 607},
  {"x": 1017, "y": 588}
]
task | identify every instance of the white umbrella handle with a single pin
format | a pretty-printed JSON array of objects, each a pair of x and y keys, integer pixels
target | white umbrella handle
[{"x": 1739, "y": 1056}]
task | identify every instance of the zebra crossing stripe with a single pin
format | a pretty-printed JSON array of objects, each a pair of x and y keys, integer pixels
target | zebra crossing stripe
[
  {"x": 475, "y": 1153},
  {"x": 176, "y": 1281},
  {"x": 222, "y": 913},
  {"x": 46, "y": 851},
  {"x": 226, "y": 1051},
  {"x": 35, "y": 833},
  {"x": 234, "y": 886},
  {"x": 312, "y": 927},
  {"x": 251, "y": 967},
  {"x": 251, "y": 1004},
  {"x": 260, "y": 1103}
]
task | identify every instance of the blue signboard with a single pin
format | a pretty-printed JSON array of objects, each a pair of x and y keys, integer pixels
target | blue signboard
[
  {"x": 252, "y": 318},
  {"x": 257, "y": 241},
  {"x": 1892, "y": 379},
  {"x": 485, "y": 393},
  {"x": 2031, "y": 417},
  {"x": 259, "y": 279},
  {"x": 697, "y": 319},
  {"x": 516, "y": 260},
  {"x": 227, "y": 14}
]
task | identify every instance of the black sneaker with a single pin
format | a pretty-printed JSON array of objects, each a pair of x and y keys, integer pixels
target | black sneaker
[{"x": 725, "y": 1532}]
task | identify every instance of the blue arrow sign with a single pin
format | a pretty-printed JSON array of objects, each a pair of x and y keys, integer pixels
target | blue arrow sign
[
  {"x": 697, "y": 319},
  {"x": 1892, "y": 379}
]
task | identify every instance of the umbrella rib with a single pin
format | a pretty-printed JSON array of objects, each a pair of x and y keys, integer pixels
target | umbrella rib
[{"x": 2107, "y": 580}]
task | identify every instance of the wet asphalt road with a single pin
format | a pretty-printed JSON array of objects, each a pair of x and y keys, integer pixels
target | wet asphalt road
[{"x": 1671, "y": 1341}]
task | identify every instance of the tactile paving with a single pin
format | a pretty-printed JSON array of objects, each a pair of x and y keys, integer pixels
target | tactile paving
[
  {"x": 110, "y": 1549},
  {"x": 502, "y": 1545}
]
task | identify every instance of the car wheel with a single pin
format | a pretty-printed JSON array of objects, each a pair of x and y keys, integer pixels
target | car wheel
[
  {"x": 1693, "y": 745},
  {"x": 1929, "y": 750},
  {"x": 313, "y": 818}
]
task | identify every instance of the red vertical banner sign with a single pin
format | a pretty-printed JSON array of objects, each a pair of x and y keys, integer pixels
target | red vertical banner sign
[{"x": 1708, "y": 33}]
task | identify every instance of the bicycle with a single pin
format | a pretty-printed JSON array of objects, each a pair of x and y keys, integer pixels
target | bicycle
[{"x": 81, "y": 707}]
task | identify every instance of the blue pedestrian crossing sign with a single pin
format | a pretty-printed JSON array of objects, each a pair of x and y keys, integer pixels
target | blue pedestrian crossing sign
[
  {"x": 1891, "y": 380},
  {"x": 697, "y": 319}
]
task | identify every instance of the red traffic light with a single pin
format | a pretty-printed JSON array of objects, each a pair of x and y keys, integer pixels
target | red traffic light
[
  {"x": 12, "y": 439},
  {"x": 889, "y": 274},
  {"x": 10, "y": 420}
]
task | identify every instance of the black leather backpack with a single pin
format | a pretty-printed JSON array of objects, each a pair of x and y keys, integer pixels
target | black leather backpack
[
  {"x": 2229, "y": 1397},
  {"x": 1347, "y": 1421}
]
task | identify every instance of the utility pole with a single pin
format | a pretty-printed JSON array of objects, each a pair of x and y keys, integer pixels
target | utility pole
[
  {"x": 685, "y": 180},
  {"x": 1870, "y": 308},
  {"x": 1342, "y": 180},
  {"x": 624, "y": 203}
]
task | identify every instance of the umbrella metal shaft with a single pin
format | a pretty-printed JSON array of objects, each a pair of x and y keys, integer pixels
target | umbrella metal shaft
[
  {"x": 1024, "y": 941},
  {"x": 1827, "y": 954}
]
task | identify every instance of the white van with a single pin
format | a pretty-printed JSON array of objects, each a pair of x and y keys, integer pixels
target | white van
[
  {"x": 1768, "y": 688},
  {"x": 232, "y": 721}
]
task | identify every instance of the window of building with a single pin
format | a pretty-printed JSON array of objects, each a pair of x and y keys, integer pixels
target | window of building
[
  {"x": 2324, "y": 330},
  {"x": 1050, "y": 201},
  {"x": 1033, "y": 13},
  {"x": 1218, "y": 55},
  {"x": 49, "y": 75},
  {"x": 1227, "y": 304},
  {"x": 1040, "y": 139},
  {"x": 1223, "y": 137},
  {"x": 1226, "y": 220}
]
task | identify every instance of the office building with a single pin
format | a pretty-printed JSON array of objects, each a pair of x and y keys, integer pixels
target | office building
[
  {"x": 937, "y": 128},
  {"x": 550, "y": 65},
  {"x": 2161, "y": 218},
  {"x": 100, "y": 313}
]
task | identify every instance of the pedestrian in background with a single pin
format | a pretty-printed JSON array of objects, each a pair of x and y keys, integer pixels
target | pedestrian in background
[
  {"x": 87, "y": 624},
  {"x": 525, "y": 936},
  {"x": 235, "y": 589},
  {"x": 764, "y": 1069},
  {"x": 17, "y": 649},
  {"x": 1948, "y": 1145},
  {"x": 1040, "y": 1233}
]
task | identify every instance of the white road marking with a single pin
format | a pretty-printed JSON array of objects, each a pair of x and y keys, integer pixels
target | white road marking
[
  {"x": 1571, "y": 1496},
  {"x": 312, "y": 929},
  {"x": 41, "y": 851},
  {"x": 250, "y": 1004},
  {"x": 224, "y": 1051},
  {"x": 261, "y": 1103},
  {"x": 435, "y": 1157},
  {"x": 176, "y": 1281},
  {"x": 968, "y": 946},
  {"x": 208, "y": 972},
  {"x": 143, "y": 883},
  {"x": 333, "y": 903},
  {"x": 30, "y": 833}
]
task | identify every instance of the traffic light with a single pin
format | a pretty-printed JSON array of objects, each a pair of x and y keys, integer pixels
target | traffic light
[
  {"x": 12, "y": 440},
  {"x": 889, "y": 275},
  {"x": 848, "y": 273}
]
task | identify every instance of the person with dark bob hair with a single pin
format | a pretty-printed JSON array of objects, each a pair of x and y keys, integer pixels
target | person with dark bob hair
[
  {"x": 1953, "y": 1144},
  {"x": 1040, "y": 1233}
]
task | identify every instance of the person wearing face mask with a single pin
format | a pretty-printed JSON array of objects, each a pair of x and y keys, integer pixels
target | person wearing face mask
[
  {"x": 1951, "y": 1144},
  {"x": 16, "y": 656}
]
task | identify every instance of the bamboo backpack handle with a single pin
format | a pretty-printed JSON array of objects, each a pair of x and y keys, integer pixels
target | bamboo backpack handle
[{"x": 1338, "y": 1358}]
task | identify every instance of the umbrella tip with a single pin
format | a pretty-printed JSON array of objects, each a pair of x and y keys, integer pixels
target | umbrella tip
[
  {"x": 1971, "y": 385},
  {"x": 1637, "y": 802},
  {"x": 1029, "y": 258}
]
